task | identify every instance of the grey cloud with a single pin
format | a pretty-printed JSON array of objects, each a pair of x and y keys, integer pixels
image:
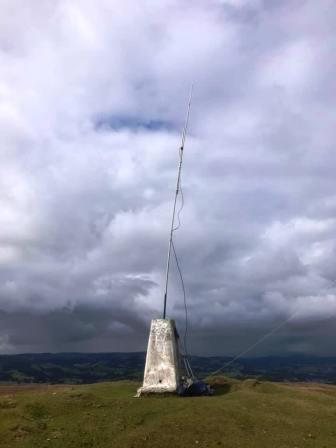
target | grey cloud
[{"x": 92, "y": 101}]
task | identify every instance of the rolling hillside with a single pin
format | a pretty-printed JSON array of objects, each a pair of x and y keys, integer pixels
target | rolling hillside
[
  {"x": 242, "y": 414},
  {"x": 83, "y": 368}
]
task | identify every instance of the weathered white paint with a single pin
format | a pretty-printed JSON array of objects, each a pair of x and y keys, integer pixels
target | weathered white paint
[{"x": 162, "y": 369}]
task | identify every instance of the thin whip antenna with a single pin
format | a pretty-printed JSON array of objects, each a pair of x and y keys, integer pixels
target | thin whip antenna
[{"x": 184, "y": 136}]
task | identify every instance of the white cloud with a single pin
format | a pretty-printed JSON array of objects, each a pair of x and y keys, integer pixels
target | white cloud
[{"x": 92, "y": 102}]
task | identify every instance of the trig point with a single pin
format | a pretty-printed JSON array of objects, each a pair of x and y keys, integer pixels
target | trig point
[
  {"x": 162, "y": 369},
  {"x": 163, "y": 372}
]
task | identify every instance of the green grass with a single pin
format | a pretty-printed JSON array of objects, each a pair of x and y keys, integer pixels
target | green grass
[{"x": 242, "y": 414}]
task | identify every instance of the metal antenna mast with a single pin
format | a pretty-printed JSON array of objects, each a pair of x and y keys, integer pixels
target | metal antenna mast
[{"x": 184, "y": 135}]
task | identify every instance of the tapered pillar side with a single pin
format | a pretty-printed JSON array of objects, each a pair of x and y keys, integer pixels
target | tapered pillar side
[{"x": 162, "y": 370}]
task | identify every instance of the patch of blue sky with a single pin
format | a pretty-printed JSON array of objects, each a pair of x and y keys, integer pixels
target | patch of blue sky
[{"x": 132, "y": 123}]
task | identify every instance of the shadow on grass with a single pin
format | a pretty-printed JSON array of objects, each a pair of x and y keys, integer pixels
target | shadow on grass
[
  {"x": 222, "y": 389},
  {"x": 222, "y": 385}
]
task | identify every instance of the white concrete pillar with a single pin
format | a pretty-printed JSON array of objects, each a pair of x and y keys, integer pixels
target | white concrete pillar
[{"x": 162, "y": 369}]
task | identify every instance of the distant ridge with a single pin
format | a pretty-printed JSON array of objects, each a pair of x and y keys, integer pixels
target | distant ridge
[{"x": 80, "y": 368}]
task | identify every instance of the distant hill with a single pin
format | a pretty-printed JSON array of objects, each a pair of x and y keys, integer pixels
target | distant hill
[
  {"x": 241, "y": 414},
  {"x": 79, "y": 368}
]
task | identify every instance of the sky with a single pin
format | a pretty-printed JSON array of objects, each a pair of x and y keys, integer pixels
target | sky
[{"x": 93, "y": 98}]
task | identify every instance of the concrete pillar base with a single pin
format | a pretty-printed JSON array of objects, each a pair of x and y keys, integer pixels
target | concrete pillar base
[{"x": 162, "y": 369}]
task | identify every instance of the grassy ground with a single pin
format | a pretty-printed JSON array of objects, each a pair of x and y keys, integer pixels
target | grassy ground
[{"x": 241, "y": 414}]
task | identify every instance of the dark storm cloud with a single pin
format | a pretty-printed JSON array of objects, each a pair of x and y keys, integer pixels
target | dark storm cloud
[
  {"x": 100, "y": 329},
  {"x": 92, "y": 101}
]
